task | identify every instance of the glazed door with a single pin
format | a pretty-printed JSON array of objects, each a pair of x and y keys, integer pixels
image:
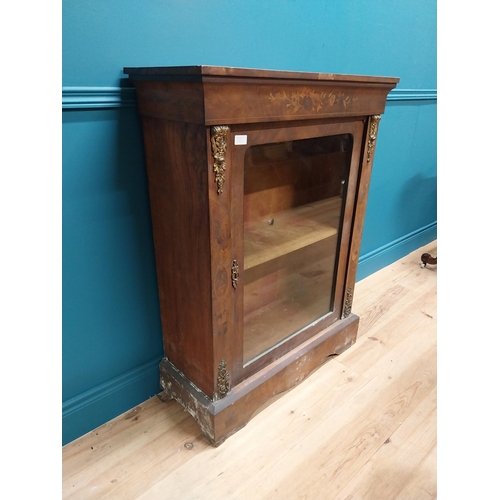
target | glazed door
[{"x": 297, "y": 195}]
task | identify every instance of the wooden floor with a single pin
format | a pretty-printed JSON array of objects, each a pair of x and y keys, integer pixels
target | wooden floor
[{"x": 363, "y": 426}]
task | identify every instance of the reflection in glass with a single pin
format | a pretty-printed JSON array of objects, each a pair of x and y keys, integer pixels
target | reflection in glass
[{"x": 292, "y": 206}]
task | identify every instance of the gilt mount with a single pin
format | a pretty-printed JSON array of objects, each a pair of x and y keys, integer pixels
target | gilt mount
[
  {"x": 223, "y": 382},
  {"x": 372, "y": 136},
  {"x": 218, "y": 138},
  {"x": 348, "y": 302},
  {"x": 235, "y": 273}
]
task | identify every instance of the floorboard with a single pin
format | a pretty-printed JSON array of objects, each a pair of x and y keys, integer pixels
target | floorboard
[{"x": 361, "y": 427}]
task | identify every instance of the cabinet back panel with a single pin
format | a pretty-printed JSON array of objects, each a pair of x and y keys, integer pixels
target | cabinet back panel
[{"x": 275, "y": 186}]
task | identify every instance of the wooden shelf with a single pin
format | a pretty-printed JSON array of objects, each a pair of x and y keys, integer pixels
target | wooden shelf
[{"x": 291, "y": 230}]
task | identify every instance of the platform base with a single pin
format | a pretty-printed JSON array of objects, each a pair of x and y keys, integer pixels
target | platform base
[{"x": 220, "y": 419}]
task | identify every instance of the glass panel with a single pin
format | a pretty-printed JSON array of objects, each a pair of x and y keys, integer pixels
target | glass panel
[{"x": 292, "y": 210}]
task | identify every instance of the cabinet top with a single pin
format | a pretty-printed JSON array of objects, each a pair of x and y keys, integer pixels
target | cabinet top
[
  {"x": 197, "y": 73},
  {"x": 216, "y": 95}
]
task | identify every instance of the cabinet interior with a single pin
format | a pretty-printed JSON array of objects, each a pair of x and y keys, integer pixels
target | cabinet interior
[{"x": 293, "y": 200}]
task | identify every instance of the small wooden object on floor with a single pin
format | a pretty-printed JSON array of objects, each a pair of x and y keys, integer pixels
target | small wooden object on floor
[{"x": 428, "y": 259}]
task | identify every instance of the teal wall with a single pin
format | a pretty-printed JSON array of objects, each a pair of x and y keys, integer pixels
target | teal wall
[{"x": 111, "y": 322}]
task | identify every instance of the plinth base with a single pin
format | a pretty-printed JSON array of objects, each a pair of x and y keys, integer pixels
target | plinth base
[{"x": 220, "y": 419}]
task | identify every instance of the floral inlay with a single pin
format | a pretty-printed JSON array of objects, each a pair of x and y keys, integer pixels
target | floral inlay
[{"x": 311, "y": 100}]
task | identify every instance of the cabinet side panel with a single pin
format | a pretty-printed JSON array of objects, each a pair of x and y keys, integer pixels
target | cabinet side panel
[{"x": 177, "y": 177}]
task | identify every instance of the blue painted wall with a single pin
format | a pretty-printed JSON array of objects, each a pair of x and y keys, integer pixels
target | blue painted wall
[{"x": 111, "y": 322}]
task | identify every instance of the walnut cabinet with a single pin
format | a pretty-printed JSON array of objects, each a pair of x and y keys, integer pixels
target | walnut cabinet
[{"x": 258, "y": 183}]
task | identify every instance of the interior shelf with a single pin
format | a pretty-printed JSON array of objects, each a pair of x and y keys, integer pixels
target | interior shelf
[
  {"x": 308, "y": 298},
  {"x": 291, "y": 230}
]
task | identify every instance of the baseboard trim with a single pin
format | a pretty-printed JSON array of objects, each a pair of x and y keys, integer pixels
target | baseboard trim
[
  {"x": 82, "y": 98},
  {"x": 85, "y": 412},
  {"x": 391, "y": 252}
]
